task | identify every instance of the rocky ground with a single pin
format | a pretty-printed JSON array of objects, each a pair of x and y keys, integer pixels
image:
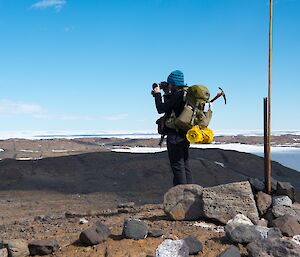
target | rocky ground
[{"x": 45, "y": 197}]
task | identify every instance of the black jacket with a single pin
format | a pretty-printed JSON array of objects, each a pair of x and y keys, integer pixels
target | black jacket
[{"x": 172, "y": 102}]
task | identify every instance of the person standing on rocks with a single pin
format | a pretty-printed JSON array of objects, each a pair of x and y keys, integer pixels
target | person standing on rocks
[{"x": 177, "y": 144}]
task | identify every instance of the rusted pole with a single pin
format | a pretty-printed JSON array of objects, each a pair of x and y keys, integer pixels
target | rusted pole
[
  {"x": 269, "y": 97},
  {"x": 266, "y": 154}
]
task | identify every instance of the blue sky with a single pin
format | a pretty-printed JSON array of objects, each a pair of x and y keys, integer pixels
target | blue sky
[{"x": 89, "y": 65}]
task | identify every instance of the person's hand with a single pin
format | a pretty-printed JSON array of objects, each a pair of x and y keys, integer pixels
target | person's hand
[{"x": 156, "y": 89}]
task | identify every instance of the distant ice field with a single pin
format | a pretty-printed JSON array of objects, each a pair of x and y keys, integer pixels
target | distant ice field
[{"x": 124, "y": 134}]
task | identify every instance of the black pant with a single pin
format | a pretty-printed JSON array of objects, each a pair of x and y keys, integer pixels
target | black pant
[{"x": 178, "y": 150}]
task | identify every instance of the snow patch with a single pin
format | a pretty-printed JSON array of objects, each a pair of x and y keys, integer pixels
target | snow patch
[
  {"x": 61, "y": 151},
  {"x": 28, "y": 151},
  {"x": 140, "y": 150},
  {"x": 209, "y": 226},
  {"x": 28, "y": 158},
  {"x": 220, "y": 163}
]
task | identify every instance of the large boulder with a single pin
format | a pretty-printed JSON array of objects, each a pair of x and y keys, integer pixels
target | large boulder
[
  {"x": 273, "y": 247},
  {"x": 263, "y": 202},
  {"x": 43, "y": 247},
  {"x": 135, "y": 229},
  {"x": 223, "y": 202},
  {"x": 288, "y": 225},
  {"x": 172, "y": 248},
  {"x": 183, "y": 202},
  {"x": 285, "y": 188},
  {"x": 94, "y": 235}
]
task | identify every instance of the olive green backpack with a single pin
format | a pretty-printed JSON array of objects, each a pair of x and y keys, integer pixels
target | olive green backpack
[{"x": 196, "y": 110}]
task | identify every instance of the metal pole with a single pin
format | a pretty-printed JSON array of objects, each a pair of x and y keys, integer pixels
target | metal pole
[
  {"x": 266, "y": 155},
  {"x": 269, "y": 98}
]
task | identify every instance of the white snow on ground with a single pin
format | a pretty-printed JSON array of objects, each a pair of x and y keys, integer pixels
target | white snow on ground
[
  {"x": 287, "y": 156},
  {"x": 220, "y": 163},
  {"x": 140, "y": 150},
  {"x": 28, "y": 158},
  {"x": 61, "y": 151},
  {"x": 209, "y": 226},
  {"x": 28, "y": 151}
]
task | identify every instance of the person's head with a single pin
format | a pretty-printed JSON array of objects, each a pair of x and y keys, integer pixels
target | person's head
[{"x": 176, "y": 78}]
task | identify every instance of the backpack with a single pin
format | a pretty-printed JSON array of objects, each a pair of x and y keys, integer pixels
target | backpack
[{"x": 196, "y": 110}]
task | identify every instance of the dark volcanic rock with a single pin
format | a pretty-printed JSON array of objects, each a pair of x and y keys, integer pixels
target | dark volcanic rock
[
  {"x": 263, "y": 202},
  {"x": 285, "y": 188},
  {"x": 155, "y": 233},
  {"x": 256, "y": 184},
  {"x": 223, "y": 202},
  {"x": 273, "y": 247},
  {"x": 195, "y": 246},
  {"x": 183, "y": 202},
  {"x": 135, "y": 229},
  {"x": 231, "y": 251},
  {"x": 249, "y": 233},
  {"x": 43, "y": 247},
  {"x": 94, "y": 235},
  {"x": 242, "y": 233},
  {"x": 288, "y": 225}
]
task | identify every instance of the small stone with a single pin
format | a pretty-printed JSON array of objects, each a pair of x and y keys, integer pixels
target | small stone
[
  {"x": 281, "y": 210},
  {"x": 262, "y": 222},
  {"x": 15, "y": 247},
  {"x": 231, "y": 251},
  {"x": 285, "y": 188},
  {"x": 195, "y": 246},
  {"x": 256, "y": 184},
  {"x": 249, "y": 233},
  {"x": 242, "y": 233},
  {"x": 83, "y": 221},
  {"x": 94, "y": 235},
  {"x": 126, "y": 205},
  {"x": 43, "y": 247},
  {"x": 288, "y": 225},
  {"x": 240, "y": 219},
  {"x": 296, "y": 239},
  {"x": 282, "y": 200},
  {"x": 155, "y": 233},
  {"x": 273, "y": 247},
  {"x": 135, "y": 229},
  {"x": 3, "y": 252},
  {"x": 172, "y": 248},
  {"x": 263, "y": 202}
]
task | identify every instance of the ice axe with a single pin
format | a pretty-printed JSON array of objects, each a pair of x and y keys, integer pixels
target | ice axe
[{"x": 219, "y": 95}]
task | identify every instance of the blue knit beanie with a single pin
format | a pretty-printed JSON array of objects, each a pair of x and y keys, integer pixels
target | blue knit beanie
[{"x": 176, "y": 78}]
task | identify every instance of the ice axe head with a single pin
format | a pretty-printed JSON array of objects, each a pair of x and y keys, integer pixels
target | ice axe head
[{"x": 219, "y": 95}]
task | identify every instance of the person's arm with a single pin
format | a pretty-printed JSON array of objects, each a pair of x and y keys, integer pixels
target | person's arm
[{"x": 166, "y": 106}]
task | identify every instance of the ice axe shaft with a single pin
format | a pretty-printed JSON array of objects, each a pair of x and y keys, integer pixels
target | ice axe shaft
[{"x": 218, "y": 96}]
